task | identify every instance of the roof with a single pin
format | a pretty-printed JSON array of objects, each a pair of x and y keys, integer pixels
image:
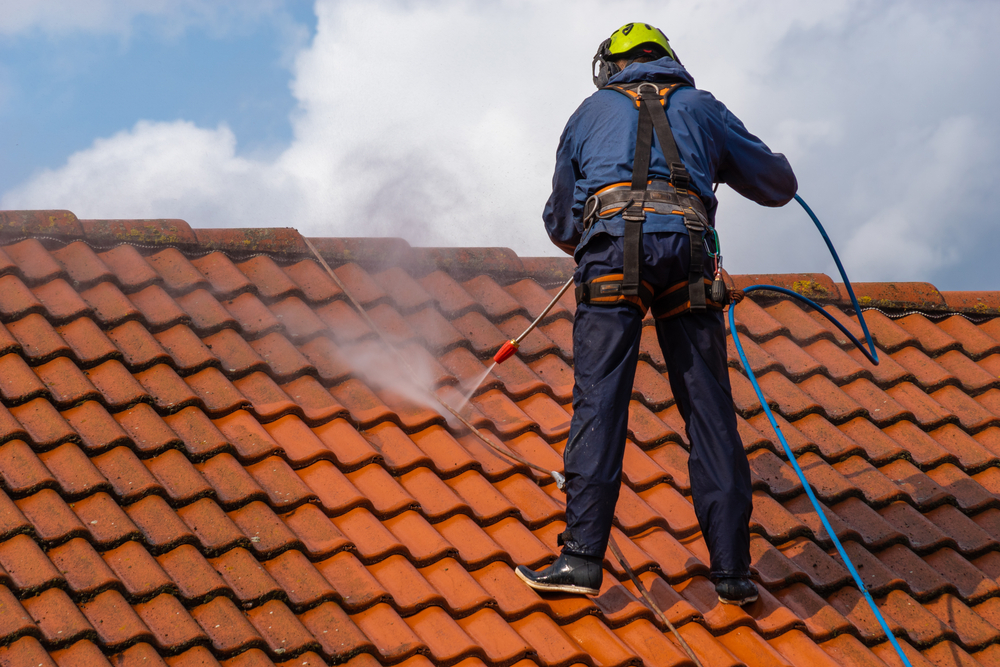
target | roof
[{"x": 193, "y": 474}]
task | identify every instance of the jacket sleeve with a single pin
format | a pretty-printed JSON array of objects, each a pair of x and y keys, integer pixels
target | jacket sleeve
[
  {"x": 560, "y": 211},
  {"x": 749, "y": 167}
]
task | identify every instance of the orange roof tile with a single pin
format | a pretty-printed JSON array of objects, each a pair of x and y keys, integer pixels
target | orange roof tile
[{"x": 206, "y": 459}]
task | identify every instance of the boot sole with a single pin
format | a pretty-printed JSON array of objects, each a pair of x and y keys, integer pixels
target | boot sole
[
  {"x": 740, "y": 603},
  {"x": 557, "y": 588}
]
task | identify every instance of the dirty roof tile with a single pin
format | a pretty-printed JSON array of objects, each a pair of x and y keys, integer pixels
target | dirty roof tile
[
  {"x": 107, "y": 524},
  {"x": 245, "y": 576},
  {"x": 83, "y": 266},
  {"x": 158, "y": 309},
  {"x": 28, "y": 567},
  {"x": 61, "y": 301},
  {"x": 139, "y": 348},
  {"x": 906, "y": 453},
  {"x": 76, "y": 475},
  {"x": 85, "y": 572},
  {"x": 116, "y": 622},
  {"x": 58, "y": 618},
  {"x": 298, "y": 319},
  {"x": 172, "y": 627},
  {"x": 932, "y": 338},
  {"x": 560, "y": 332},
  {"x": 141, "y": 575},
  {"x": 40, "y": 342},
  {"x": 22, "y": 471},
  {"x": 161, "y": 528},
  {"x": 17, "y": 383},
  {"x": 227, "y": 627},
  {"x": 12, "y": 521},
  {"x": 225, "y": 277},
  {"x": 346, "y": 325},
  {"x": 355, "y": 587},
  {"x": 970, "y": 538},
  {"x": 282, "y": 631},
  {"x": 52, "y": 518},
  {"x": 132, "y": 272},
  {"x": 271, "y": 282},
  {"x": 219, "y": 396},
  {"x": 207, "y": 314},
  {"x": 178, "y": 273},
  {"x": 16, "y": 300},
  {"x": 215, "y": 532},
  {"x": 314, "y": 282}
]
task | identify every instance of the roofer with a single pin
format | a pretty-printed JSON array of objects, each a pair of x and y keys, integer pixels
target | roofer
[{"x": 632, "y": 200}]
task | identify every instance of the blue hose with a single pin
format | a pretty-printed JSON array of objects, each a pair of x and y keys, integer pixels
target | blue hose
[{"x": 872, "y": 356}]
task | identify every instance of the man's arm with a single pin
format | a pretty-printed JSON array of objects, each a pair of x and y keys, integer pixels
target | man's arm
[
  {"x": 559, "y": 214},
  {"x": 750, "y": 168}
]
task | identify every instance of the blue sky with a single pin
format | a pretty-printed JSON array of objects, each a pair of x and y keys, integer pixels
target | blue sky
[
  {"x": 437, "y": 120},
  {"x": 59, "y": 90}
]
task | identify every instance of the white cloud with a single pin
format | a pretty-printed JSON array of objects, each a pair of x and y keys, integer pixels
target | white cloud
[{"x": 442, "y": 129}]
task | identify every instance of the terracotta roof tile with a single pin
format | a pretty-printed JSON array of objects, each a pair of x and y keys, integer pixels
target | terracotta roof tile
[
  {"x": 225, "y": 277},
  {"x": 61, "y": 301},
  {"x": 161, "y": 528},
  {"x": 172, "y": 626},
  {"x": 138, "y": 571},
  {"x": 231, "y": 410},
  {"x": 83, "y": 266},
  {"x": 267, "y": 276},
  {"x": 226, "y": 626},
  {"x": 28, "y": 567},
  {"x": 22, "y": 471},
  {"x": 53, "y": 519},
  {"x": 87, "y": 344},
  {"x": 116, "y": 622},
  {"x": 158, "y": 309},
  {"x": 40, "y": 342},
  {"x": 560, "y": 332},
  {"x": 56, "y": 615},
  {"x": 315, "y": 284}
]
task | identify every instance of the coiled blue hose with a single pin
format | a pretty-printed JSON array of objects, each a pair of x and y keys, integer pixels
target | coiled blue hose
[{"x": 872, "y": 354}]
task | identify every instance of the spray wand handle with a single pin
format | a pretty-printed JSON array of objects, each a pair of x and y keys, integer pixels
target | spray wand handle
[{"x": 510, "y": 347}]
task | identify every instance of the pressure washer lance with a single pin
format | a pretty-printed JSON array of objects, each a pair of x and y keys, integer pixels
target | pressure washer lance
[
  {"x": 508, "y": 349},
  {"x": 556, "y": 475}
]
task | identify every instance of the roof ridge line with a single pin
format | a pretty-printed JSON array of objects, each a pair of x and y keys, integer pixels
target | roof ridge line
[{"x": 501, "y": 264}]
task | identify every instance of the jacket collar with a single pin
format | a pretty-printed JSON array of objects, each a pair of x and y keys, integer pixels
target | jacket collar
[{"x": 664, "y": 70}]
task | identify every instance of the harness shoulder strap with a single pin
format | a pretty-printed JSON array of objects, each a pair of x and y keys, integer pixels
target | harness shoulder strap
[{"x": 651, "y": 101}]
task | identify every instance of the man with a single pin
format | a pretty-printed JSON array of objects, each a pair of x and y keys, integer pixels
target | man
[{"x": 632, "y": 200}]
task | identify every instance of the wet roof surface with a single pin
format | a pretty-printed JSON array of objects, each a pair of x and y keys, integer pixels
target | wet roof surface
[{"x": 207, "y": 459}]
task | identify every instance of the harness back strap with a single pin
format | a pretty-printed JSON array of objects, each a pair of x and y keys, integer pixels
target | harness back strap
[{"x": 651, "y": 102}]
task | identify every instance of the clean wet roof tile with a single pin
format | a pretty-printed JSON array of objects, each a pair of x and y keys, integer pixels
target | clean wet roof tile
[{"x": 200, "y": 446}]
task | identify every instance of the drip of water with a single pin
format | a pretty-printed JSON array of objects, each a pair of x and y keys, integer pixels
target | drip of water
[{"x": 475, "y": 385}]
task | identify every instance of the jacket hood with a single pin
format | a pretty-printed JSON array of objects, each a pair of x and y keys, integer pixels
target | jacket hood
[{"x": 664, "y": 70}]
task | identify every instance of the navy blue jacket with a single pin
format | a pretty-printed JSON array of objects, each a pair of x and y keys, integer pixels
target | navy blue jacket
[{"x": 598, "y": 144}]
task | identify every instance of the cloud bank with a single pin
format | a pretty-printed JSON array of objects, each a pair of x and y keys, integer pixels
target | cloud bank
[{"x": 443, "y": 128}]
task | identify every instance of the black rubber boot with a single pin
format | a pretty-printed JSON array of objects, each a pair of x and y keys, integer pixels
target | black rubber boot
[
  {"x": 736, "y": 590},
  {"x": 569, "y": 574}
]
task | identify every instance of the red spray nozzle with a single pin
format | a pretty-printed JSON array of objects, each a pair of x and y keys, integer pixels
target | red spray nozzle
[{"x": 506, "y": 352}]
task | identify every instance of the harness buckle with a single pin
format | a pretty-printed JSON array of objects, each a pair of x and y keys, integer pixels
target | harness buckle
[
  {"x": 632, "y": 214},
  {"x": 679, "y": 176}
]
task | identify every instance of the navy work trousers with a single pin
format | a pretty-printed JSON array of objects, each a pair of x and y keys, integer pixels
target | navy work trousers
[{"x": 605, "y": 352}]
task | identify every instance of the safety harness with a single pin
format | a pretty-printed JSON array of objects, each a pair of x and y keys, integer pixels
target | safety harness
[{"x": 643, "y": 195}]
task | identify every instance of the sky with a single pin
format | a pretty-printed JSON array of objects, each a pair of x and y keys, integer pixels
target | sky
[{"x": 438, "y": 120}]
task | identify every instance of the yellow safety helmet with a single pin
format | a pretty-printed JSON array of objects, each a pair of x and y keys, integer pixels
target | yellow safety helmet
[{"x": 632, "y": 40}]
